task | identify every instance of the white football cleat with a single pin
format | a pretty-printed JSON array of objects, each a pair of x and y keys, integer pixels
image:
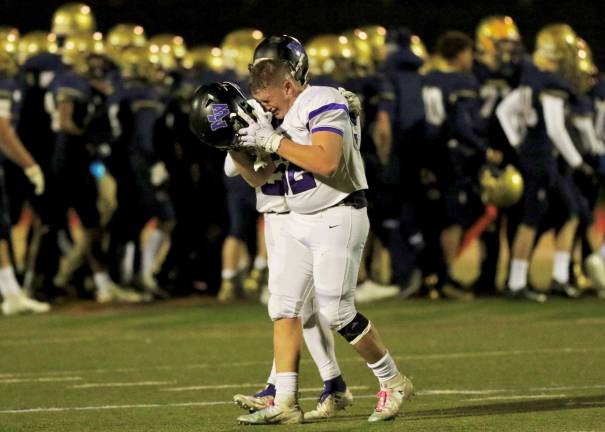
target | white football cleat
[
  {"x": 114, "y": 293},
  {"x": 259, "y": 401},
  {"x": 285, "y": 413},
  {"x": 595, "y": 267},
  {"x": 390, "y": 397},
  {"x": 20, "y": 304},
  {"x": 370, "y": 291},
  {"x": 329, "y": 404}
]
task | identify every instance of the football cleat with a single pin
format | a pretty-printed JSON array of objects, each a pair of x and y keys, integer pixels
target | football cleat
[
  {"x": 21, "y": 304},
  {"x": 259, "y": 401},
  {"x": 595, "y": 267},
  {"x": 253, "y": 283},
  {"x": 284, "y": 413},
  {"x": 564, "y": 290},
  {"x": 526, "y": 293},
  {"x": 115, "y": 294},
  {"x": 453, "y": 290},
  {"x": 151, "y": 287},
  {"x": 390, "y": 397},
  {"x": 227, "y": 292},
  {"x": 329, "y": 403}
]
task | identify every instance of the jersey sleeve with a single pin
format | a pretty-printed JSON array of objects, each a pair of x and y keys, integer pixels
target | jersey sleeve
[
  {"x": 70, "y": 87},
  {"x": 326, "y": 111},
  {"x": 6, "y": 100}
]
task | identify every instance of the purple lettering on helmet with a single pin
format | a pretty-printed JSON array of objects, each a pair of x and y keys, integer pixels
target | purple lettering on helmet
[{"x": 219, "y": 111}]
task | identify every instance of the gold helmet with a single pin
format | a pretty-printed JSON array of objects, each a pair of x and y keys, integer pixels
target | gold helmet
[
  {"x": 9, "y": 38},
  {"x": 493, "y": 30},
  {"x": 587, "y": 70},
  {"x": 238, "y": 49},
  {"x": 555, "y": 43},
  {"x": 135, "y": 63},
  {"x": 418, "y": 47},
  {"x": 167, "y": 50},
  {"x": 363, "y": 49},
  {"x": 73, "y": 18},
  {"x": 122, "y": 36},
  {"x": 329, "y": 54},
  {"x": 34, "y": 43},
  {"x": 502, "y": 188},
  {"x": 204, "y": 56},
  {"x": 78, "y": 47},
  {"x": 376, "y": 37}
]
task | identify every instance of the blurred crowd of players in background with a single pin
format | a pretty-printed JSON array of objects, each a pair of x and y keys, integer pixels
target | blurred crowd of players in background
[{"x": 108, "y": 195}]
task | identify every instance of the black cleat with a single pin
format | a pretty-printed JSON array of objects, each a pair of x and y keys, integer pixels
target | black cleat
[
  {"x": 564, "y": 290},
  {"x": 526, "y": 293}
]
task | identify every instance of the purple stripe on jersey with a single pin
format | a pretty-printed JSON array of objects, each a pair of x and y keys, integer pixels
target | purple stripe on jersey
[
  {"x": 328, "y": 107},
  {"x": 327, "y": 129}
]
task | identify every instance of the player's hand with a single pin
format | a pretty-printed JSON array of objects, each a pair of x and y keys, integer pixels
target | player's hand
[
  {"x": 352, "y": 100},
  {"x": 586, "y": 170},
  {"x": 261, "y": 135},
  {"x": 36, "y": 178},
  {"x": 159, "y": 174}
]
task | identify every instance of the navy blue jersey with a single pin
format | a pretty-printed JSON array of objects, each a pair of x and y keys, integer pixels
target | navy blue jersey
[
  {"x": 533, "y": 85},
  {"x": 134, "y": 110},
  {"x": 451, "y": 109},
  {"x": 11, "y": 97},
  {"x": 71, "y": 87},
  {"x": 407, "y": 108}
]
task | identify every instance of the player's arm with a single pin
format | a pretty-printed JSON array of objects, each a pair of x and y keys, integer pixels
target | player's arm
[
  {"x": 65, "y": 108},
  {"x": 383, "y": 136},
  {"x": 321, "y": 157},
  {"x": 554, "y": 118},
  {"x": 585, "y": 126},
  {"x": 243, "y": 163},
  {"x": 13, "y": 148},
  {"x": 508, "y": 113}
]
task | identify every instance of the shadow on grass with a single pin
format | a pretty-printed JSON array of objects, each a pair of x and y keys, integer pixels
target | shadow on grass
[{"x": 517, "y": 407}]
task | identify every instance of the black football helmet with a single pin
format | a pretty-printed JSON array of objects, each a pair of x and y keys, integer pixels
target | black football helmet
[
  {"x": 287, "y": 49},
  {"x": 218, "y": 111}
]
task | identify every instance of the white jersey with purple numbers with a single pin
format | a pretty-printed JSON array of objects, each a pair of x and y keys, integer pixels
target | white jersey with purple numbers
[
  {"x": 319, "y": 109},
  {"x": 270, "y": 196}
]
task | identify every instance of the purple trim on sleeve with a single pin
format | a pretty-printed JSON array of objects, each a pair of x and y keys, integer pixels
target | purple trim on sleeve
[
  {"x": 327, "y": 129},
  {"x": 328, "y": 107}
]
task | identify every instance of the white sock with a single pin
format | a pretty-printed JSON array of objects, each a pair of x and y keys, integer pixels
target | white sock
[
  {"x": 560, "y": 269},
  {"x": 271, "y": 379},
  {"x": 150, "y": 250},
  {"x": 127, "y": 266},
  {"x": 260, "y": 263},
  {"x": 518, "y": 274},
  {"x": 385, "y": 368},
  {"x": 102, "y": 280},
  {"x": 319, "y": 340},
  {"x": 228, "y": 273},
  {"x": 286, "y": 387},
  {"x": 9, "y": 287}
]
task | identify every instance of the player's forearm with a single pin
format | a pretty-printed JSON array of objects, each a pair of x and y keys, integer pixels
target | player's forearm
[
  {"x": 322, "y": 158},
  {"x": 383, "y": 137},
  {"x": 244, "y": 164},
  {"x": 11, "y": 146}
]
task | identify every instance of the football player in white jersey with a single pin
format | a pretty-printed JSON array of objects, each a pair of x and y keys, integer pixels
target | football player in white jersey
[{"x": 320, "y": 248}]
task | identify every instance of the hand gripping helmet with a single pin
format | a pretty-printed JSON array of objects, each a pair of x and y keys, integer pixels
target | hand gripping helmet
[
  {"x": 218, "y": 111},
  {"x": 287, "y": 49}
]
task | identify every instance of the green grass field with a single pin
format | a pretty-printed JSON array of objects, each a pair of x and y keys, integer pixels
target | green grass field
[{"x": 489, "y": 365}]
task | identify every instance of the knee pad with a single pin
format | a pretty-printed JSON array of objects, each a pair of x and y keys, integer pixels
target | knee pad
[
  {"x": 356, "y": 329},
  {"x": 281, "y": 306}
]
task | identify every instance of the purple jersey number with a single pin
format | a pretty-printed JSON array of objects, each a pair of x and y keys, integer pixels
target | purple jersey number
[
  {"x": 276, "y": 185},
  {"x": 299, "y": 179}
]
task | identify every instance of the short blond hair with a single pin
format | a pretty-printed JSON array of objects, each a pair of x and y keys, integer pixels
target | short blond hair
[{"x": 268, "y": 73}]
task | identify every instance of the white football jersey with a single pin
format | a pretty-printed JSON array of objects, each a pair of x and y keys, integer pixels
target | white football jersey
[{"x": 322, "y": 109}]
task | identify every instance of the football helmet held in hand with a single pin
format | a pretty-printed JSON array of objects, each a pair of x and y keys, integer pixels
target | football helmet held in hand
[{"x": 218, "y": 112}]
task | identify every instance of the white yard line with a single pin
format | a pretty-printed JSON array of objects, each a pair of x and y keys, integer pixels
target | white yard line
[
  {"x": 458, "y": 392},
  {"x": 410, "y": 357},
  {"x": 515, "y": 397},
  {"x": 38, "y": 380},
  {"x": 246, "y": 385},
  {"x": 122, "y": 384}
]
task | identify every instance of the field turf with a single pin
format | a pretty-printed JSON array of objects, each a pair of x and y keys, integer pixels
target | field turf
[{"x": 488, "y": 365}]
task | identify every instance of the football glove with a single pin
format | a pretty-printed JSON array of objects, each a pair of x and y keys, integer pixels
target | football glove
[
  {"x": 352, "y": 101},
  {"x": 261, "y": 135},
  {"x": 36, "y": 178}
]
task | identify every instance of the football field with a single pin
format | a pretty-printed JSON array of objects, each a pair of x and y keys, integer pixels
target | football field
[{"x": 488, "y": 365}]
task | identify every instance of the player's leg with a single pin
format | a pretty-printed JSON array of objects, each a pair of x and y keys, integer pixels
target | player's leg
[
  {"x": 337, "y": 242},
  {"x": 15, "y": 300},
  {"x": 258, "y": 275},
  {"x": 320, "y": 343}
]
